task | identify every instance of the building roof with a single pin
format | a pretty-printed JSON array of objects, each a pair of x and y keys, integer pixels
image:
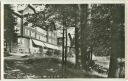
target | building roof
[
  {"x": 17, "y": 14},
  {"x": 18, "y": 11},
  {"x": 28, "y": 6}
]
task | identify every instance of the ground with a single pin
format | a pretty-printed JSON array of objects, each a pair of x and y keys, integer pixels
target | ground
[{"x": 48, "y": 67}]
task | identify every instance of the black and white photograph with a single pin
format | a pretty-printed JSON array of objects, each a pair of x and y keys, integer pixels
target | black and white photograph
[{"x": 63, "y": 41}]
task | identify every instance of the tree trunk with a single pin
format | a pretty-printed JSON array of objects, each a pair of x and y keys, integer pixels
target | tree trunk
[
  {"x": 113, "y": 67},
  {"x": 77, "y": 53},
  {"x": 77, "y": 38},
  {"x": 83, "y": 28}
]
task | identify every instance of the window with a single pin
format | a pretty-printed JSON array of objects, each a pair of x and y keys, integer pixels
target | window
[
  {"x": 33, "y": 34},
  {"x": 38, "y": 36}
]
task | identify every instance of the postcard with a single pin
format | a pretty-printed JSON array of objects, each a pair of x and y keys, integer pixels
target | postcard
[{"x": 63, "y": 40}]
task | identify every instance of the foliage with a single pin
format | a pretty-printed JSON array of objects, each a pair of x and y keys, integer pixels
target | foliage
[
  {"x": 9, "y": 24},
  {"x": 54, "y": 13},
  {"x": 101, "y": 28}
]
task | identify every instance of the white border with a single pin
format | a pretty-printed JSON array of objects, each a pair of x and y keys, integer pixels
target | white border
[
  {"x": 126, "y": 39},
  {"x": 65, "y": 2},
  {"x": 2, "y": 42}
]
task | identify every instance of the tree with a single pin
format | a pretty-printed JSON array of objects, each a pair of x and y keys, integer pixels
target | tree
[
  {"x": 100, "y": 29},
  {"x": 117, "y": 40},
  {"x": 107, "y": 33},
  {"x": 83, "y": 9},
  {"x": 9, "y": 24}
]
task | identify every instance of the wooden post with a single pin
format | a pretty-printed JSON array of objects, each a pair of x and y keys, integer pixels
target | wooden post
[
  {"x": 63, "y": 53},
  {"x": 65, "y": 48}
]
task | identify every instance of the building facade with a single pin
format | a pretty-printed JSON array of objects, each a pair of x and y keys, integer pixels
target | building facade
[{"x": 33, "y": 40}]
